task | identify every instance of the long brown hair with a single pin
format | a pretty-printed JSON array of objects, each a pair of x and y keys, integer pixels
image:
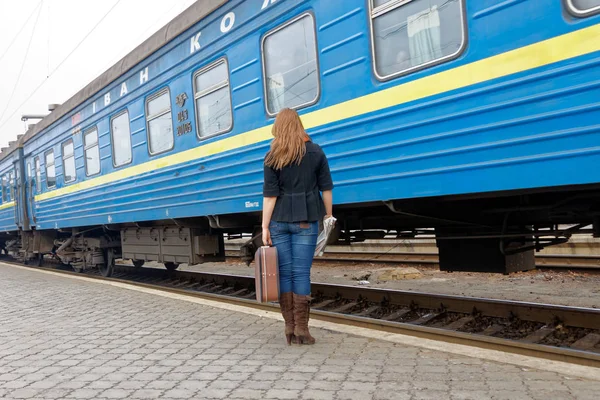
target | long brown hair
[{"x": 288, "y": 147}]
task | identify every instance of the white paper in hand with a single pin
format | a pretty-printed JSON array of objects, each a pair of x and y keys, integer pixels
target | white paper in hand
[{"x": 328, "y": 226}]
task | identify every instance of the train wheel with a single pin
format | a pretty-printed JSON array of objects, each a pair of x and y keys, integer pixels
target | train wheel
[
  {"x": 106, "y": 269},
  {"x": 138, "y": 263},
  {"x": 171, "y": 266}
]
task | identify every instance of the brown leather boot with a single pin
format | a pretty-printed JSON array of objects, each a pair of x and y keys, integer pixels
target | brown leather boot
[
  {"x": 286, "y": 303},
  {"x": 301, "y": 312}
]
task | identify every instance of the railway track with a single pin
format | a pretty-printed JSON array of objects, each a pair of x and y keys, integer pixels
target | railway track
[
  {"x": 568, "y": 334},
  {"x": 558, "y": 261},
  {"x": 578, "y": 256}
]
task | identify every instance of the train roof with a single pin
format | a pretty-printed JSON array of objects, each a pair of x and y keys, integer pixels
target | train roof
[
  {"x": 192, "y": 15},
  {"x": 12, "y": 146}
]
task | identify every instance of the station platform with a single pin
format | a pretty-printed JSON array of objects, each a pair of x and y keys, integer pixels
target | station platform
[{"x": 64, "y": 337}]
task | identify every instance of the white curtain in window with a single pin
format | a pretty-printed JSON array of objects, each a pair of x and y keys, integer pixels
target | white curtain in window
[
  {"x": 276, "y": 92},
  {"x": 424, "y": 36},
  {"x": 205, "y": 127}
]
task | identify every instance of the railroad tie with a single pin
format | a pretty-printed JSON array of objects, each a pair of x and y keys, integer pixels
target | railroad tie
[
  {"x": 588, "y": 342},
  {"x": 396, "y": 314},
  {"x": 194, "y": 285},
  {"x": 539, "y": 335},
  {"x": 151, "y": 280},
  {"x": 456, "y": 325},
  {"x": 323, "y": 304},
  {"x": 344, "y": 308},
  {"x": 368, "y": 311},
  {"x": 426, "y": 318},
  {"x": 205, "y": 286},
  {"x": 492, "y": 330}
]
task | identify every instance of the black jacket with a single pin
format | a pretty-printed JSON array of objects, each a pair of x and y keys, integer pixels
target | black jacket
[{"x": 297, "y": 187}]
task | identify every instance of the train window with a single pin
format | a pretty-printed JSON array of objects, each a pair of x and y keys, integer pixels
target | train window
[
  {"x": 414, "y": 34},
  {"x": 5, "y": 195},
  {"x": 583, "y": 8},
  {"x": 69, "y": 171},
  {"x": 11, "y": 185},
  {"x": 29, "y": 175},
  {"x": 91, "y": 152},
  {"x": 213, "y": 100},
  {"x": 121, "y": 139},
  {"x": 38, "y": 174},
  {"x": 160, "y": 122},
  {"x": 50, "y": 170},
  {"x": 290, "y": 65}
]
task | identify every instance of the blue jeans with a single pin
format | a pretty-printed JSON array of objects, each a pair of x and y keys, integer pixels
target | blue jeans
[{"x": 295, "y": 243}]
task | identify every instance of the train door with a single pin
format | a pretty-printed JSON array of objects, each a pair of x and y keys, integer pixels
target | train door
[
  {"x": 29, "y": 185},
  {"x": 19, "y": 193},
  {"x": 12, "y": 188}
]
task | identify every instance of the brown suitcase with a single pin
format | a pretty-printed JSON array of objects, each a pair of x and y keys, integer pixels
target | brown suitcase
[{"x": 266, "y": 274}]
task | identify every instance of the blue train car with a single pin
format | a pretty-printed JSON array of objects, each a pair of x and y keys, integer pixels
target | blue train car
[
  {"x": 478, "y": 119},
  {"x": 13, "y": 199},
  {"x": 8, "y": 216}
]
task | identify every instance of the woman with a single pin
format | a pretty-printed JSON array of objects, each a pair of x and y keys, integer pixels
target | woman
[{"x": 295, "y": 171}]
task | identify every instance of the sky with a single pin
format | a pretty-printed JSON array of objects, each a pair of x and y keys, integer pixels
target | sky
[{"x": 50, "y": 49}]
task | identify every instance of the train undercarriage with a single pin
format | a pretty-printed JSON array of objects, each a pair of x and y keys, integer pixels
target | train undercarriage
[{"x": 494, "y": 233}]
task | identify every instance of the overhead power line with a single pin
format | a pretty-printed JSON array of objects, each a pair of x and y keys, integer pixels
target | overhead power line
[
  {"x": 84, "y": 38},
  {"x": 20, "y": 31},
  {"x": 119, "y": 55},
  {"x": 22, "y": 64},
  {"x": 59, "y": 65}
]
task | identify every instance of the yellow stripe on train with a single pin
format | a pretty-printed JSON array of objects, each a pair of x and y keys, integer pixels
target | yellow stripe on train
[
  {"x": 7, "y": 205},
  {"x": 539, "y": 54}
]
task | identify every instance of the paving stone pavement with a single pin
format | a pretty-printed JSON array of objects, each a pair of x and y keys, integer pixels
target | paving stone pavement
[{"x": 68, "y": 339}]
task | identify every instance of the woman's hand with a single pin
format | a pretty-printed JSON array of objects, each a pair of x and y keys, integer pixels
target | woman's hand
[
  {"x": 268, "y": 207},
  {"x": 266, "y": 237},
  {"x": 328, "y": 202}
]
